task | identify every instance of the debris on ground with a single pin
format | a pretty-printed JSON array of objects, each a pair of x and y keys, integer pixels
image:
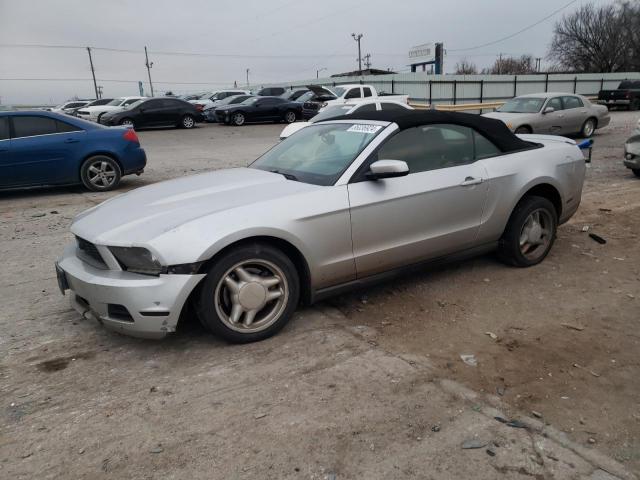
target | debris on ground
[
  {"x": 473, "y": 444},
  {"x": 157, "y": 449},
  {"x": 576, "y": 365},
  {"x": 585, "y": 228},
  {"x": 536, "y": 414},
  {"x": 597, "y": 238},
  {"x": 491, "y": 450},
  {"x": 517, "y": 424},
  {"x": 469, "y": 360},
  {"x": 259, "y": 415},
  {"x": 435, "y": 428},
  {"x": 573, "y": 327},
  {"x": 492, "y": 335}
]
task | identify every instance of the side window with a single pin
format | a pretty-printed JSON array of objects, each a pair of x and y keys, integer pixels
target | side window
[
  {"x": 367, "y": 91},
  {"x": 29, "y": 126},
  {"x": 391, "y": 106},
  {"x": 430, "y": 147},
  {"x": 4, "y": 128},
  {"x": 556, "y": 103},
  {"x": 572, "y": 102},
  {"x": 353, "y": 93},
  {"x": 64, "y": 127},
  {"x": 369, "y": 107},
  {"x": 130, "y": 101},
  {"x": 484, "y": 147},
  {"x": 153, "y": 104}
]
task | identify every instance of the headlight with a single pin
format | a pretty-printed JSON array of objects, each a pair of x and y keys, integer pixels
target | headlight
[
  {"x": 137, "y": 260},
  {"x": 509, "y": 126}
]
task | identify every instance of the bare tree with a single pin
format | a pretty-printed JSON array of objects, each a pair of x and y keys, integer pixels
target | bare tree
[
  {"x": 466, "y": 67},
  {"x": 512, "y": 66},
  {"x": 596, "y": 39}
]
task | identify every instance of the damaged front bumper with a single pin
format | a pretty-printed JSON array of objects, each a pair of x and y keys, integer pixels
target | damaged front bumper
[{"x": 138, "y": 305}]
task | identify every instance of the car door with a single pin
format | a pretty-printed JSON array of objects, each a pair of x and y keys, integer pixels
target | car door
[
  {"x": 267, "y": 109},
  {"x": 575, "y": 113},
  {"x": 5, "y": 143},
  {"x": 433, "y": 211},
  {"x": 151, "y": 113},
  {"x": 172, "y": 111},
  {"x": 40, "y": 150},
  {"x": 552, "y": 122}
]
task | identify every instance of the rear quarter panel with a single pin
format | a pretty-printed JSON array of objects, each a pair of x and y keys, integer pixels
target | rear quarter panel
[
  {"x": 511, "y": 176},
  {"x": 110, "y": 141}
]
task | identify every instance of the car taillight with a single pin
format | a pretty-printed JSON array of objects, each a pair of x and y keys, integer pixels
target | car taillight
[{"x": 130, "y": 135}]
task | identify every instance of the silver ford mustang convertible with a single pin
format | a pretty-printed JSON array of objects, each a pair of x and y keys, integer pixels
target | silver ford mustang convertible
[{"x": 338, "y": 204}]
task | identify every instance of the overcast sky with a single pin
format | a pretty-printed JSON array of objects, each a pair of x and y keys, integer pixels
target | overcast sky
[{"x": 278, "y": 40}]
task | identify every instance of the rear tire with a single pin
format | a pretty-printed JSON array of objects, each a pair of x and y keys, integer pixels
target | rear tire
[
  {"x": 100, "y": 173},
  {"x": 588, "y": 127},
  {"x": 636, "y": 172},
  {"x": 250, "y": 293},
  {"x": 290, "y": 116},
  {"x": 530, "y": 232},
  {"x": 523, "y": 130},
  {"x": 634, "y": 105}
]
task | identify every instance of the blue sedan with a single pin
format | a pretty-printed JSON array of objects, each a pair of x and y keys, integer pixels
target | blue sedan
[{"x": 39, "y": 148}]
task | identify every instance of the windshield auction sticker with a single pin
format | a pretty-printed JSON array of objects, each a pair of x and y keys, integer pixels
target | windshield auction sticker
[{"x": 359, "y": 128}]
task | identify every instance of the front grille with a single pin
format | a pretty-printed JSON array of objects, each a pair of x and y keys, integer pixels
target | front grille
[{"x": 89, "y": 253}]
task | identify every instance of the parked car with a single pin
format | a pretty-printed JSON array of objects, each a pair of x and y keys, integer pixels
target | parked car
[
  {"x": 6, "y": 108},
  {"x": 210, "y": 112},
  {"x": 295, "y": 93},
  {"x": 270, "y": 91},
  {"x": 94, "y": 113},
  {"x": 67, "y": 107},
  {"x": 342, "y": 203},
  {"x": 552, "y": 113},
  {"x": 632, "y": 151},
  {"x": 346, "y": 109},
  {"x": 355, "y": 93},
  {"x": 155, "y": 112},
  {"x": 259, "y": 109},
  {"x": 627, "y": 94},
  {"x": 191, "y": 96},
  {"x": 211, "y": 99},
  {"x": 94, "y": 103},
  {"x": 313, "y": 101},
  {"x": 39, "y": 149}
]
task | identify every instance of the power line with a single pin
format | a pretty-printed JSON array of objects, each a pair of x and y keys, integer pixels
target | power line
[
  {"x": 106, "y": 80},
  {"x": 516, "y": 33}
]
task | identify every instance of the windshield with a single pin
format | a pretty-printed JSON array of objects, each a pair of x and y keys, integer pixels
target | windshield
[
  {"x": 305, "y": 96},
  {"x": 338, "y": 91},
  {"x": 250, "y": 101},
  {"x": 522, "y": 105},
  {"x": 318, "y": 154},
  {"x": 134, "y": 104},
  {"x": 115, "y": 102},
  {"x": 205, "y": 96},
  {"x": 232, "y": 100},
  {"x": 332, "y": 112}
]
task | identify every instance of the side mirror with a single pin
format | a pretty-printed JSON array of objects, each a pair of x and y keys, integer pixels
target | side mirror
[
  {"x": 387, "y": 169},
  {"x": 549, "y": 110}
]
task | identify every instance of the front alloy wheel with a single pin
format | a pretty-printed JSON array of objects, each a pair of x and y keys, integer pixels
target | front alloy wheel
[
  {"x": 588, "y": 128},
  {"x": 290, "y": 116},
  {"x": 127, "y": 122},
  {"x": 238, "y": 119},
  {"x": 188, "y": 121},
  {"x": 249, "y": 294},
  {"x": 100, "y": 173}
]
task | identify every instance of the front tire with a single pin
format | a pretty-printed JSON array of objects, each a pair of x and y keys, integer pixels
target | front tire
[
  {"x": 530, "y": 232},
  {"x": 290, "y": 116},
  {"x": 100, "y": 173},
  {"x": 127, "y": 122},
  {"x": 187, "y": 122},
  {"x": 588, "y": 127},
  {"x": 238, "y": 119},
  {"x": 250, "y": 293}
]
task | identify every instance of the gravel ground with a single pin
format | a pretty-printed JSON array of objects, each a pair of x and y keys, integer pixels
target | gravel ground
[{"x": 367, "y": 385}]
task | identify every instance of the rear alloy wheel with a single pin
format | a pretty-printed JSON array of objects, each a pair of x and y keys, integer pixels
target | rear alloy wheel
[
  {"x": 238, "y": 119},
  {"x": 249, "y": 294},
  {"x": 530, "y": 232},
  {"x": 100, "y": 173},
  {"x": 187, "y": 121},
  {"x": 523, "y": 130},
  {"x": 588, "y": 127},
  {"x": 290, "y": 116},
  {"x": 127, "y": 122}
]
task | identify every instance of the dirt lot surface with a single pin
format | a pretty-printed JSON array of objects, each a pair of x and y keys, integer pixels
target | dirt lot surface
[{"x": 367, "y": 385}]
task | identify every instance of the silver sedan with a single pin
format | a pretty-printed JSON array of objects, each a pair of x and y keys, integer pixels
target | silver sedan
[
  {"x": 338, "y": 204},
  {"x": 552, "y": 113}
]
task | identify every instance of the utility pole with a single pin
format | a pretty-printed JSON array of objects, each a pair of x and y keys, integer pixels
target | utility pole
[
  {"x": 247, "y": 77},
  {"x": 357, "y": 39},
  {"x": 93, "y": 72},
  {"x": 99, "y": 91},
  {"x": 318, "y": 72},
  {"x": 148, "y": 65},
  {"x": 367, "y": 61},
  {"x": 500, "y": 64},
  {"x": 538, "y": 60}
]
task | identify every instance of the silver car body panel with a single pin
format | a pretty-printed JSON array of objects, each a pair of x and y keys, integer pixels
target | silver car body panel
[
  {"x": 345, "y": 232},
  {"x": 559, "y": 122}
]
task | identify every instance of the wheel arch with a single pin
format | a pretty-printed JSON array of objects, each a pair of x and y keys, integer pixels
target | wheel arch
[{"x": 544, "y": 189}]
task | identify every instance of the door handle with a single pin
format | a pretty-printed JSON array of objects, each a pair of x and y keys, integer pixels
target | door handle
[
  {"x": 471, "y": 181},
  {"x": 71, "y": 140}
]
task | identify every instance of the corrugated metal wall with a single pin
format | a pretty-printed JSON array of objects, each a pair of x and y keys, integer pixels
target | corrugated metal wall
[{"x": 448, "y": 89}]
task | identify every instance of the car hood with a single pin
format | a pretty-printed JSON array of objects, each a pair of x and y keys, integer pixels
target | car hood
[{"x": 142, "y": 215}]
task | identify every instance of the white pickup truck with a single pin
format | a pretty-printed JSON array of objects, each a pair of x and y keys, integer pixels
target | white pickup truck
[{"x": 355, "y": 93}]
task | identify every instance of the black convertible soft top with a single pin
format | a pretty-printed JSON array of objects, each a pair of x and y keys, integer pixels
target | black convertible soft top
[{"x": 492, "y": 129}]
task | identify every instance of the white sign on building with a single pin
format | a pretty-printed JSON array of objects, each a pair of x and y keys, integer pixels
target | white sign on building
[{"x": 422, "y": 53}]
